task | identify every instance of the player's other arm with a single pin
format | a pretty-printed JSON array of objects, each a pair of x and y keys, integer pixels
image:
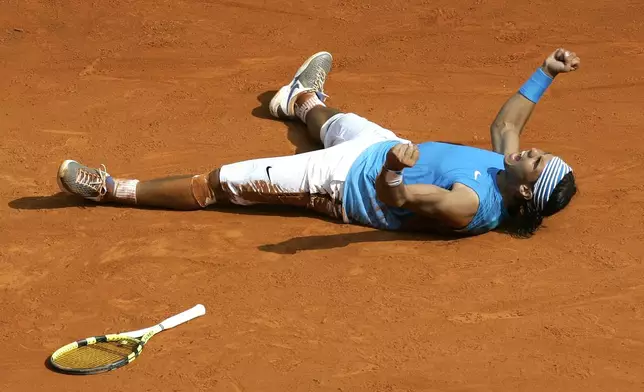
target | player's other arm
[
  {"x": 514, "y": 114},
  {"x": 455, "y": 207}
]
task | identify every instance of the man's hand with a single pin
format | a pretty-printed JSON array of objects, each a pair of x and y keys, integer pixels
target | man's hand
[
  {"x": 401, "y": 156},
  {"x": 561, "y": 60}
]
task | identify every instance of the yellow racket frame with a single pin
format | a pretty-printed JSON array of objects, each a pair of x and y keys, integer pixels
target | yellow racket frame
[{"x": 139, "y": 338}]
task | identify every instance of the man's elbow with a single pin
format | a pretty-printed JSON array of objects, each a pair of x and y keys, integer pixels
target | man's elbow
[
  {"x": 389, "y": 197},
  {"x": 501, "y": 128},
  {"x": 398, "y": 201}
]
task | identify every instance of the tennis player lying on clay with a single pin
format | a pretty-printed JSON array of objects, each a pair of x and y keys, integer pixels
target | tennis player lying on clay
[{"x": 367, "y": 175}]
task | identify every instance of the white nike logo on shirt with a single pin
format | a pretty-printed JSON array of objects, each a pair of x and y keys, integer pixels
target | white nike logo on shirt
[{"x": 477, "y": 174}]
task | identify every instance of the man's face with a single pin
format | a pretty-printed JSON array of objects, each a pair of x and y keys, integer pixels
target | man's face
[{"x": 525, "y": 167}]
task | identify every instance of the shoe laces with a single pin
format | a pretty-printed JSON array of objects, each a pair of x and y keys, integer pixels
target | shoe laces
[
  {"x": 318, "y": 83},
  {"x": 94, "y": 179}
]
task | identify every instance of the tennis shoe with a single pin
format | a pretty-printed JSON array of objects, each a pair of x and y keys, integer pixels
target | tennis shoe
[
  {"x": 78, "y": 179},
  {"x": 310, "y": 77}
]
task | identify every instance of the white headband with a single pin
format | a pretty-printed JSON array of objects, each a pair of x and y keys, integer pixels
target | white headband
[{"x": 554, "y": 171}]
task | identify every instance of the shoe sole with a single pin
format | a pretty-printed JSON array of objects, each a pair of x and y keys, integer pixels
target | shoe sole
[{"x": 274, "y": 106}]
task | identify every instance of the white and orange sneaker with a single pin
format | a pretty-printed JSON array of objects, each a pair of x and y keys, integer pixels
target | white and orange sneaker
[
  {"x": 310, "y": 77},
  {"x": 83, "y": 181}
]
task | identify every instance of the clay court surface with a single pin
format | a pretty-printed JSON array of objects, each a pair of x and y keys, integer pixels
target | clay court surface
[{"x": 295, "y": 302}]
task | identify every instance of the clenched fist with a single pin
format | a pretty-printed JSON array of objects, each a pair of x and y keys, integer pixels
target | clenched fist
[
  {"x": 561, "y": 60},
  {"x": 401, "y": 156}
]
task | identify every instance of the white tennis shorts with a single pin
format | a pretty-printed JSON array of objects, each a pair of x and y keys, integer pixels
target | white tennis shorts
[{"x": 314, "y": 180}]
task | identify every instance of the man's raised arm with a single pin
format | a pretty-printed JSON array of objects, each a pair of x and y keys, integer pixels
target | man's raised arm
[{"x": 514, "y": 114}]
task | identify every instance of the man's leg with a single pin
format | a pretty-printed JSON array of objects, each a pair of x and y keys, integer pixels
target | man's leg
[
  {"x": 184, "y": 192},
  {"x": 190, "y": 192},
  {"x": 303, "y": 98},
  {"x": 331, "y": 127},
  {"x": 316, "y": 117},
  {"x": 303, "y": 180}
]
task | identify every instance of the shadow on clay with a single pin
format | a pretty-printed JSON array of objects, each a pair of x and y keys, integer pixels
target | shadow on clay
[
  {"x": 288, "y": 247},
  {"x": 52, "y": 202},
  {"x": 64, "y": 200},
  {"x": 331, "y": 241},
  {"x": 49, "y": 366},
  {"x": 296, "y": 131}
]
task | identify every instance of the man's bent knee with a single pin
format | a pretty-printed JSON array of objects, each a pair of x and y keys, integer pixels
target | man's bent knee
[
  {"x": 204, "y": 196},
  {"x": 206, "y": 189}
]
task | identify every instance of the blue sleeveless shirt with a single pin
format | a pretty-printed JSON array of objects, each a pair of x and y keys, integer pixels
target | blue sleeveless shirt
[{"x": 439, "y": 164}]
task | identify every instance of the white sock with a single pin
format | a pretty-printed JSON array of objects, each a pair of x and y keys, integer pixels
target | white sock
[
  {"x": 125, "y": 189},
  {"x": 302, "y": 110}
]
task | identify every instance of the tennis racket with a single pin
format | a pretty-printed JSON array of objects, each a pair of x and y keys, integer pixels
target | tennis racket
[{"x": 100, "y": 354}]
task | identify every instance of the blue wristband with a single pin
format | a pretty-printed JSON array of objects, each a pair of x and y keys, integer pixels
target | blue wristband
[{"x": 534, "y": 87}]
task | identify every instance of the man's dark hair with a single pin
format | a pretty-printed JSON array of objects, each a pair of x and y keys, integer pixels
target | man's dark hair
[{"x": 525, "y": 218}]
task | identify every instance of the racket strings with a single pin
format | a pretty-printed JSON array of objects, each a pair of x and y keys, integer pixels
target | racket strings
[{"x": 97, "y": 355}]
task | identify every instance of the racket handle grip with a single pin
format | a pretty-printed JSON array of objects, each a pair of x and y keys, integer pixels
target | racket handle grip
[{"x": 194, "y": 312}]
